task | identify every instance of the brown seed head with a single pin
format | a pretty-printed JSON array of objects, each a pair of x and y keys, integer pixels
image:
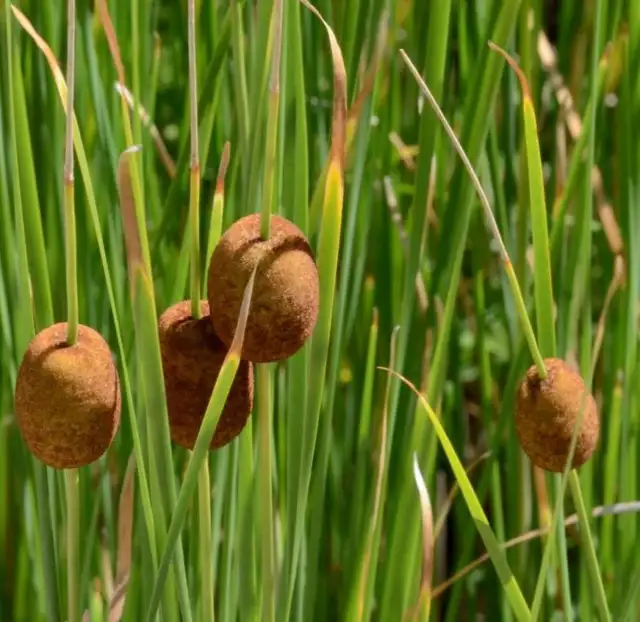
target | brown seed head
[
  {"x": 67, "y": 397},
  {"x": 547, "y": 412},
  {"x": 284, "y": 306},
  {"x": 192, "y": 355}
]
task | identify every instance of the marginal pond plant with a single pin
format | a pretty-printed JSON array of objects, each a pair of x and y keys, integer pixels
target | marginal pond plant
[
  {"x": 358, "y": 284},
  {"x": 285, "y": 299}
]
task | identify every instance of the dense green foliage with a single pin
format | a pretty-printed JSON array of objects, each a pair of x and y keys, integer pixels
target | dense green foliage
[{"x": 318, "y": 511}]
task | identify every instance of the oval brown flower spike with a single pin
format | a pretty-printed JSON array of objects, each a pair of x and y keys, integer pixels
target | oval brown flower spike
[
  {"x": 67, "y": 398},
  {"x": 547, "y": 412},
  {"x": 192, "y": 355},
  {"x": 284, "y": 307}
]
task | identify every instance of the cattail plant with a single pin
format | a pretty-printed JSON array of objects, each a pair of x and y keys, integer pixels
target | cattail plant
[
  {"x": 192, "y": 353},
  {"x": 192, "y": 356},
  {"x": 292, "y": 357},
  {"x": 286, "y": 290},
  {"x": 67, "y": 394},
  {"x": 547, "y": 411}
]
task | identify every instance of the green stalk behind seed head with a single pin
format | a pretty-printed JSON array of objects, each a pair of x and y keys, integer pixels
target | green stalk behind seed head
[
  {"x": 72, "y": 550},
  {"x": 194, "y": 197},
  {"x": 204, "y": 488},
  {"x": 272, "y": 123},
  {"x": 69, "y": 203},
  {"x": 71, "y": 475},
  {"x": 264, "y": 377},
  {"x": 209, "y": 423}
]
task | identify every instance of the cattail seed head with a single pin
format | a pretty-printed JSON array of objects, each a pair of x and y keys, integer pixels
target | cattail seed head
[
  {"x": 284, "y": 307},
  {"x": 192, "y": 356},
  {"x": 547, "y": 412},
  {"x": 67, "y": 397}
]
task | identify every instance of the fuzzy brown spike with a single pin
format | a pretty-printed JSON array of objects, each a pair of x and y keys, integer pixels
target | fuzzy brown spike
[
  {"x": 67, "y": 397},
  {"x": 284, "y": 308},
  {"x": 192, "y": 355},
  {"x": 547, "y": 412}
]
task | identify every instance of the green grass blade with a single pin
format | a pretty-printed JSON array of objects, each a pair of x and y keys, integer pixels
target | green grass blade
[
  {"x": 94, "y": 215},
  {"x": 148, "y": 351},
  {"x": 38, "y": 269},
  {"x": 44, "y": 523},
  {"x": 498, "y": 558},
  {"x": 543, "y": 289},
  {"x": 210, "y": 421},
  {"x": 328, "y": 253}
]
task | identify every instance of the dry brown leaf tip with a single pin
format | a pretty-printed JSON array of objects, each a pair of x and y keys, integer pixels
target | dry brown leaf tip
[
  {"x": 192, "y": 356},
  {"x": 284, "y": 307},
  {"x": 547, "y": 412},
  {"x": 67, "y": 398}
]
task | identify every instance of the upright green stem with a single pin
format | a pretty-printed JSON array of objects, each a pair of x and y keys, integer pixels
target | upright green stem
[
  {"x": 71, "y": 475},
  {"x": 272, "y": 124},
  {"x": 73, "y": 538},
  {"x": 69, "y": 203},
  {"x": 71, "y": 263},
  {"x": 592, "y": 560},
  {"x": 265, "y": 501},
  {"x": 204, "y": 523},
  {"x": 240, "y": 76},
  {"x": 217, "y": 209},
  {"x": 264, "y": 380},
  {"x": 135, "y": 69},
  {"x": 204, "y": 487},
  {"x": 194, "y": 202},
  {"x": 524, "y": 318}
]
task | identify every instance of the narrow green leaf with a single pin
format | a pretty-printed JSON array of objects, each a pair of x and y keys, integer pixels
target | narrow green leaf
[
  {"x": 501, "y": 565},
  {"x": 210, "y": 421}
]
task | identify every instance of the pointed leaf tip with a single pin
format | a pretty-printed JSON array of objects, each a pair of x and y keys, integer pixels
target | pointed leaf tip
[
  {"x": 112, "y": 40},
  {"x": 339, "y": 120},
  {"x": 526, "y": 93},
  {"x": 426, "y": 515},
  {"x": 128, "y": 210},
  {"x": 243, "y": 316},
  {"x": 58, "y": 76},
  {"x": 222, "y": 168}
]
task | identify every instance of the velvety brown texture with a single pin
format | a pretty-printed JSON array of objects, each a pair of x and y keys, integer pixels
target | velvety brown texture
[
  {"x": 546, "y": 413},
  {"x": 192, "y": 355},
  {"x": 68, "y": 397},
  {"x": 284, "y": 306}
]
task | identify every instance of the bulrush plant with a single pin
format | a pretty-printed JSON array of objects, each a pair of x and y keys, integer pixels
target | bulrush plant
[
  {"x": 287, "y": 285},
  {"x": 285, "y": 307},
  {"x": 261, "y": 466},
  {"x": 192, "y": 353},
  {"x": 67, "y": 393},
  {"x": 552, "y": 416},
  {"x": 547, "y": 412},
  {"x": 67, "y": 397},
  {"x": 192, "y": 356}
]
